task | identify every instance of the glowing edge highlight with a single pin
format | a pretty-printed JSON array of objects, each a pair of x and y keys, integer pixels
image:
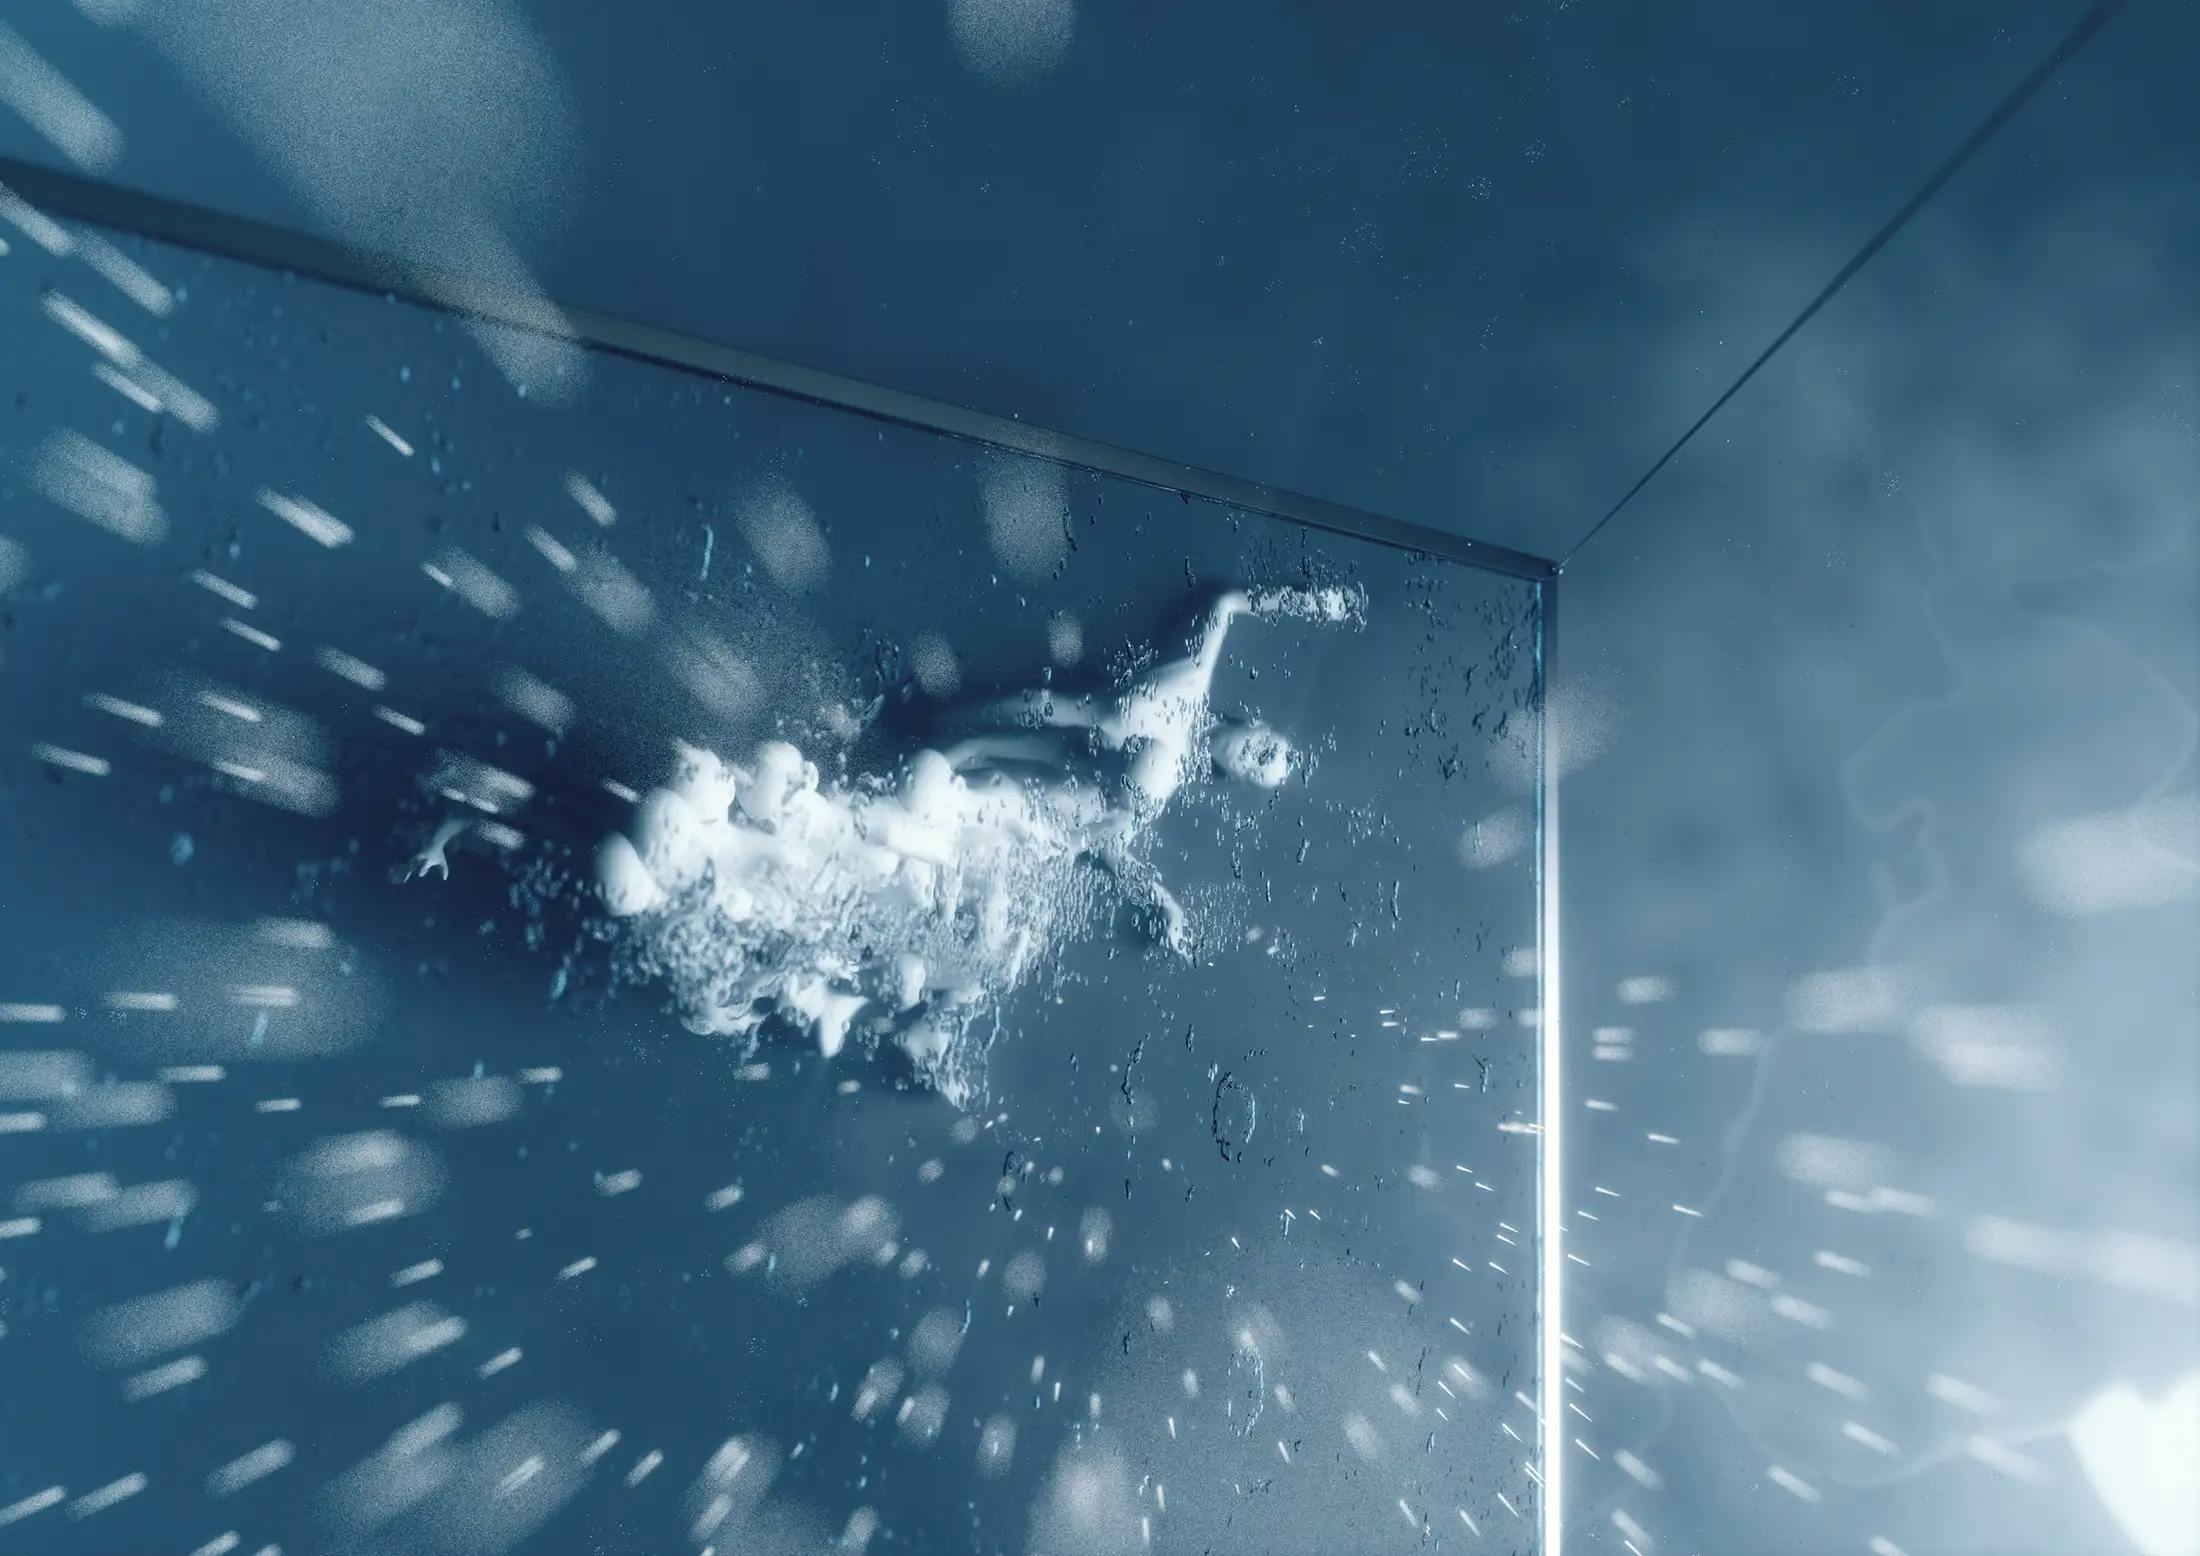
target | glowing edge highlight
[{"x": 1550, "y": 1142}]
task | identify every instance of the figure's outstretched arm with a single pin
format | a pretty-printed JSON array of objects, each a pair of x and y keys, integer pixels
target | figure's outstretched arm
[
  {"x": 1217, "y": 626},
  {"x": 1174, "y": 691}
]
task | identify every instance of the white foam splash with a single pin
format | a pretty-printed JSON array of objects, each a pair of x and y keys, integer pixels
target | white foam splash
[
  {"x": 905, "y": 906},
  {"x": 1026, "y": 513},
  {"x": 99, "y": 487},
  {"x": 2143, "y": 857},
  {"x": 1012, "y": 42},
  {"x": 45, "y": 100},
  {"x": 786, "y": 536}
]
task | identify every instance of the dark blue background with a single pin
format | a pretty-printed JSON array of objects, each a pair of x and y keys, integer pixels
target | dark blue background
[{"x": 1928, "y": 587}]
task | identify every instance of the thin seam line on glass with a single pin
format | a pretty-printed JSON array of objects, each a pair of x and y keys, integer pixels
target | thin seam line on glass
[
  {"x": 2073, "y": 43},
  {"x": 279, "y": 248}
]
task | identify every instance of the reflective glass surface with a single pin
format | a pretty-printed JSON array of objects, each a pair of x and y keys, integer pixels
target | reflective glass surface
[{"x": 653, "y": 967}]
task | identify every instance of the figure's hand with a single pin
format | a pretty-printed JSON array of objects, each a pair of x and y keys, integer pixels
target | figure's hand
[
  {"x": 1155, "y": 910},
  {"x": 429, "y": 861},
  {"x": 1170, "y": 927}
]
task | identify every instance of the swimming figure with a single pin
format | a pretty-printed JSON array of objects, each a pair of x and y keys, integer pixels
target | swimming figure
[{"x": 908, "y": 903}]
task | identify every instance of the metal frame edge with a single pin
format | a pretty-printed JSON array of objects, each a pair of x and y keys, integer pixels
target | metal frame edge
[{"x": 277, "y": 248}]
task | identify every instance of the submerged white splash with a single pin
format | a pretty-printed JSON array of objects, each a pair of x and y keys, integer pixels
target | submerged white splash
[{"x": 903, "y": 906}]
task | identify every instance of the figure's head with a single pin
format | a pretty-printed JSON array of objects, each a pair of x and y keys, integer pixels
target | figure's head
[{"x": 1251, "y": 752}]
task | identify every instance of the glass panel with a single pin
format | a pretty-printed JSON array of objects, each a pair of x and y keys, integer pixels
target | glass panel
[{"x": 1113, "y": 920}]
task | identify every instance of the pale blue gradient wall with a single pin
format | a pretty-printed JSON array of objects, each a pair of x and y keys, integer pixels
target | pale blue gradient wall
[{"x": 1898, "y": 669}]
